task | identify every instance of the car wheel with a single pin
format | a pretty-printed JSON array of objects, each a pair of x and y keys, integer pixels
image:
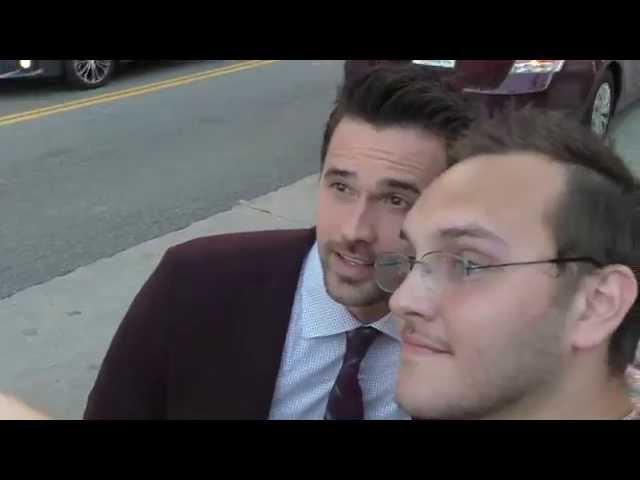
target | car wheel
[
  {"x": 601, "y": 110},
  {"x": 88, "y": 74}
]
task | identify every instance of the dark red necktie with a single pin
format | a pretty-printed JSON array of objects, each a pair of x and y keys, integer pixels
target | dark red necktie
[{"x": 345, "y": 399}]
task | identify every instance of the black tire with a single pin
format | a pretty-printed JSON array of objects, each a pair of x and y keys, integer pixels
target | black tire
[
  {"x": 607, "y": 79},
  {"x": 80, "y": 74}
]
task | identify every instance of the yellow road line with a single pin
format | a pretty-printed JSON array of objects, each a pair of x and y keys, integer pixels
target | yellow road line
[
  {"x": 133, "y": 89},
  {"x": 131, "y": 92}
]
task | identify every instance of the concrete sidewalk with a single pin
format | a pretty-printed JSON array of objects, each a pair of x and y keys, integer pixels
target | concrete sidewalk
[{"x": 53, "y": 336}]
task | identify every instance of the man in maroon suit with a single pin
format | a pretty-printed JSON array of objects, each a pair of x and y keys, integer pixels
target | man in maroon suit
[{"x": 291, "y": 324}]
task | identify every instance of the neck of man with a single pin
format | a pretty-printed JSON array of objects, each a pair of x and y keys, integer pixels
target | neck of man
[
  {"x": 369, "y": 313},
  {"x": 587, "y": 391}
]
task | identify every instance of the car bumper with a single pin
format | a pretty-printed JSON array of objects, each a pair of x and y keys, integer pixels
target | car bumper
[
  {"x": 494, "y": 102},
  {"x": 568, "y": 90},
  {"x": 573, "y": 104},
  {"x": 11, "y": 69}
]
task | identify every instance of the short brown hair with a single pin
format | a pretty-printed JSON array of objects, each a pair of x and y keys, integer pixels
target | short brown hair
[
  {"x": 401, "y": 96},
  {"x": 599, "y": 216}
]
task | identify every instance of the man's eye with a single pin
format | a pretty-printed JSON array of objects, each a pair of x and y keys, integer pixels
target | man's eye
[
  {"x": 471, "y": 268},
  {"x": 398, "y": 201},
  {"x": 474, "y": 268},
  {"x": 340, "y": 187},
  {"x": 471, "y": 263}
]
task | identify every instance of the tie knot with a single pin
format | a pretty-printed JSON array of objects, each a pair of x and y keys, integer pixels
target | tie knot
[{"x": 359, "y": 340}]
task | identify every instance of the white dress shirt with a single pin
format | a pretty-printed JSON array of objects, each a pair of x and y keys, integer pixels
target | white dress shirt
[{"x": 315, "y": 347}]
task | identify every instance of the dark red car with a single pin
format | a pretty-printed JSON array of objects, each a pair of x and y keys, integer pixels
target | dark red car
[{"x": 594, "y": 90}]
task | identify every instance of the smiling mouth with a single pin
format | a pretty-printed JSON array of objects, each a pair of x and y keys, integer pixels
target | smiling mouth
[{"x": 355, "y": 261}]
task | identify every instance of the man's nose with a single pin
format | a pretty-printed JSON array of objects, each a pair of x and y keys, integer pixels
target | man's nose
[
  {"x": 415, "y": 298},
  {"x": 361, "y": 226}
]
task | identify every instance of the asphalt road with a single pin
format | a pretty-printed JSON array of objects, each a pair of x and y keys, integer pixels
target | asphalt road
[{"x": 82, "y": 184}]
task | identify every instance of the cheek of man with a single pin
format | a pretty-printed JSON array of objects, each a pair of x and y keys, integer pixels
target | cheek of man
[{"x": 507, "y": 347}]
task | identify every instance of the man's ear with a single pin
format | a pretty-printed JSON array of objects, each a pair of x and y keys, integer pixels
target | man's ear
[{"x": 605, "y": 298}]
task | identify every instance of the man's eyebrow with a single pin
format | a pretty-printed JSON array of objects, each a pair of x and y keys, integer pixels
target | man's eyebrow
[
  {"x": 337, "y": 172},
  {"x": 400, "y": 185},
  {"x": 471, "y": 231}
]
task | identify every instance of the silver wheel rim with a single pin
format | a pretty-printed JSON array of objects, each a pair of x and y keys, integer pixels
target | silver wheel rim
[
  {"x": 601, "y": 112},
  {"x": 91, "y": 71}
]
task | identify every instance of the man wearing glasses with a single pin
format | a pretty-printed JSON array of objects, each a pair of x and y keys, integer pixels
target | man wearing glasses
[{"x": 517, "y": 297}]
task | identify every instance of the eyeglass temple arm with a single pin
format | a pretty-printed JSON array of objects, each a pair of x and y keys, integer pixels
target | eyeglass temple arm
[{"x": 540, "y": 262}]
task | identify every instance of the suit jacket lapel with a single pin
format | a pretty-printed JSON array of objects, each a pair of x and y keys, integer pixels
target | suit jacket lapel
[
  {"x": 274, "y": 310},
  {"x": 227, "y": 350}
]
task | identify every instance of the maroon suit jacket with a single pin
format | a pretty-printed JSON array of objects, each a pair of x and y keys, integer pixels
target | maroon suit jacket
[{"x": 203, "y": 339}]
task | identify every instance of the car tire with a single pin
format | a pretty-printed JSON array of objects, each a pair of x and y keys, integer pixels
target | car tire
[
  {"x": 87, "y": 74},
  {"x": 600, "y": 112}
]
